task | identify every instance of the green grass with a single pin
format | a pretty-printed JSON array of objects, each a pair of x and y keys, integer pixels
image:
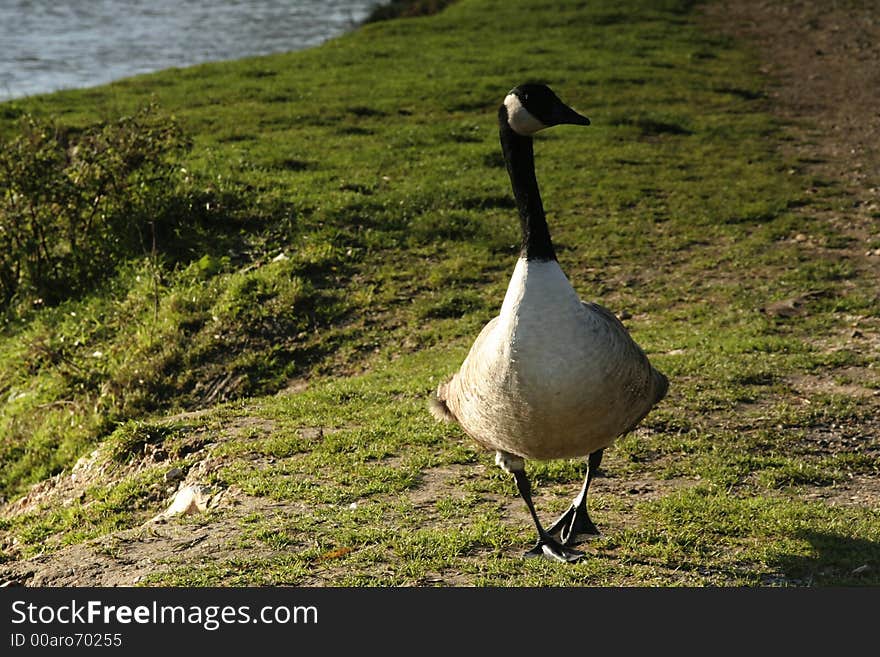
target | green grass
[{"x": 372, "y": 164}]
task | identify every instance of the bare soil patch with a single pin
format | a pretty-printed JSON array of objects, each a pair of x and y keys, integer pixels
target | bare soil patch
[
  {"x": 126, "y": 558},
  {"x": 823, "y": 60}
]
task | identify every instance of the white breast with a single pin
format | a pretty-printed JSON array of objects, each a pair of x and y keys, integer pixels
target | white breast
[
  {"x": 550, "y": 337},
  {"x": 549, "y": 377}
]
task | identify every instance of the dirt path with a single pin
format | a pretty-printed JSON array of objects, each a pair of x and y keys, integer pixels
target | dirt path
[{"x": 823, "y": 61}]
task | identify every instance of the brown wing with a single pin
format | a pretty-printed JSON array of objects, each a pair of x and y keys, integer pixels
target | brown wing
[{"x": 656, "y": 384}]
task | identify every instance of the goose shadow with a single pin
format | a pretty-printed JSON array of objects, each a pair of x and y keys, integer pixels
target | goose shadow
[{"x": 835, "y": 560}]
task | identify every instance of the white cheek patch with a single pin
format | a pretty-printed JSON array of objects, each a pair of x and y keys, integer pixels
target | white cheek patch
[{"x": 520, "y": 119}]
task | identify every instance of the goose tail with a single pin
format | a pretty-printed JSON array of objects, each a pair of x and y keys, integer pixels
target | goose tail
[
  {"x": 437, "y": 404},
  {"x": 661, "y": 386}
]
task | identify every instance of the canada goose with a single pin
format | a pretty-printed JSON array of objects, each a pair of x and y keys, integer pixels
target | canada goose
[{"x": 551, "y": 376}]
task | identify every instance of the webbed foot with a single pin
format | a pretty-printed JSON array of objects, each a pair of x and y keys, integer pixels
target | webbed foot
[
  {"x": 574, "y": 526},
  {"x": 551, "y": 549}
]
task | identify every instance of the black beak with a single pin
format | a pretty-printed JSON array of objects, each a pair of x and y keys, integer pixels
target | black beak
[{"x": 563, "y": 114}]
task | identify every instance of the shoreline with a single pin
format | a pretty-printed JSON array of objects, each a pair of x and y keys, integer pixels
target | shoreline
[{"x": 138, "y": 70}]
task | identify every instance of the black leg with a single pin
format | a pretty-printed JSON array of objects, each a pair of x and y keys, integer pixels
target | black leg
[
  {"x": 546, "y": 546},
  {"x": 576, "y": 523}
]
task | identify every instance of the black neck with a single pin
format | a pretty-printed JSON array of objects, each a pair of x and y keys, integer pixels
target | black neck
[{"x": 520, "y": 159}]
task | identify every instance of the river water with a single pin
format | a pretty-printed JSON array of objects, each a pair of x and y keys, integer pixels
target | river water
[{"x": 46, "y": 45}]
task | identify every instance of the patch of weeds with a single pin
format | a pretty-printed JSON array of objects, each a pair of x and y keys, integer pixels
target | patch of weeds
[{"x": 131, "y": 440}]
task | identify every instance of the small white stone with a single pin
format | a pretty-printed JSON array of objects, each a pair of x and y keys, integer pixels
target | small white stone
[{"x": 188, "y": 500}]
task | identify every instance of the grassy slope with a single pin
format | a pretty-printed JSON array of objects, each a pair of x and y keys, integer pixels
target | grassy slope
[{"x": 373, "y": 164}]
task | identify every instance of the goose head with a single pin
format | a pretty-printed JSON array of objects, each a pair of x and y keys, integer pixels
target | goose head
[{"x": 529, "y": 108}]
